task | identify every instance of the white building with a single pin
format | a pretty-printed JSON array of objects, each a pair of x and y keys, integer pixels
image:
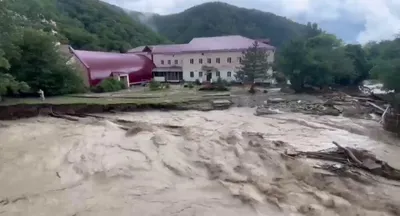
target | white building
[{"x": 203, "y": 59}]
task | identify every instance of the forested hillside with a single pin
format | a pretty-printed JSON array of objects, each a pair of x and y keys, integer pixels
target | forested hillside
[
  {"x": 31, "y": 29},
  {"x": 29, "y": 57},
  {"x": 216, "y": 19},
  {"x": 89, "y": 24},
  {"x": 322, "y": 60}
]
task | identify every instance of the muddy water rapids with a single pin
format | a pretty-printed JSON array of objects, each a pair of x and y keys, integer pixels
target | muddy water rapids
[{"x": 188, "y": 163}]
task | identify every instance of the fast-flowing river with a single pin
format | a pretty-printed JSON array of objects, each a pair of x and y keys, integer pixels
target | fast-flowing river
[{"x": 187, "y": 163}]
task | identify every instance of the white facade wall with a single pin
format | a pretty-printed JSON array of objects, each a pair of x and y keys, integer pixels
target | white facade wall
[
  {"x": 192, "y": 65},
  {"x": 168, "y": 60}
]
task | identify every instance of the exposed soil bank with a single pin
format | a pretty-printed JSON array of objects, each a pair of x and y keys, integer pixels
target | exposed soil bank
[{"x": 12, "y": 112}]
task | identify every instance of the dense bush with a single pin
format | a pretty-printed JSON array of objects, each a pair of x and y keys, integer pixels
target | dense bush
[
  {"x": 220, "y": 85},
  {"x": 8, "y": 85},
  {"x": 109, "y": 85},
  {"x": 280, "y": 77},
  {"x": 154, "y": 85}
]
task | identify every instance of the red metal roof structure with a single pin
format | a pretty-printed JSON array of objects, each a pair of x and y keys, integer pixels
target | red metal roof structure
[
  {"x": 160, "y": 49},
  {"x": 101, "y": 65},
  {"x": 230, "y": 43}
]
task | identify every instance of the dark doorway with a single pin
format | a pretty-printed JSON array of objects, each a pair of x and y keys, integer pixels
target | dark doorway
[
  {"x": 209, "y": 76},
  {"x": 124, "y": 80}
]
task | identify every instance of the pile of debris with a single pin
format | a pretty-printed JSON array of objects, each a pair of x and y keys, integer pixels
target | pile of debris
[
  {"x": 277, "y": 105},
  {"x": 350, "y": 162},
  {"x": 336, "y": 103},
  {"x": 356, "y": 106}
]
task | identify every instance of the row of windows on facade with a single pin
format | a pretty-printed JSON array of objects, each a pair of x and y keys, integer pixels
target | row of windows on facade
[
  {"x": 228, "y": 74},
  {"x": 209, "y": 61}
]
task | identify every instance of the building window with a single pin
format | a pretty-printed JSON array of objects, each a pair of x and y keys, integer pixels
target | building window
[
  {"x": 191, "y": 61},
  {"x": 218, "y": 60},
  {"x": 191, "y": 74},
  {"x": 169, "y": 62},
  {"x": 229, "y": 60},
  {"x": 209, "y": 61},
  {"x": 240, "y": 59},
  {"x": 162, "y": 61},
  {"x": 200, "y": 61},
  {"x": 229, "y": 74},
  {"x": 218, "y": 74},
  {"x": 201, "y": 74},
  {"x": 176, "y": 62}
]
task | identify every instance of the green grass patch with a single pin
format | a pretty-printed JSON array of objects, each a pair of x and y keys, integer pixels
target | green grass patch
[
  {"x": 78, "y": 100},
  {"x": 144, "y": 96}
]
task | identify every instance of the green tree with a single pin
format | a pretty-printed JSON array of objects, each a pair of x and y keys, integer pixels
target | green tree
[
  {"x": 293, "y": 61},
  {"x": 42, "y": 67},
  {"x": 254, "y": 65},
  {"x": 312, "y": 30},
  {"x": 8, "y": 84},
  {"x": 388, "y": 72},
  {"x": 384, "y": 59},
  {"x": 7, "y": 29},
  {"x": 362, "y": 65},
  {"x": 319, "y": 61}
]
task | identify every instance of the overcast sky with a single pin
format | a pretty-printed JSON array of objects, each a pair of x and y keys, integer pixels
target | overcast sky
[{"x": 371, "y": 19}]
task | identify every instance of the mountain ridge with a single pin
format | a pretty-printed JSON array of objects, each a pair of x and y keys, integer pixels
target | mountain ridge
[{"x": 222, "y": 19}]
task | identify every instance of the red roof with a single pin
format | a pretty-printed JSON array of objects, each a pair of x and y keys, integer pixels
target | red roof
[
  {"x": 101, "y": 65},
  {"x": 206, "y": 44},
  {"x": 168, "y": 48},
  {"x": 224, "y": 43}
]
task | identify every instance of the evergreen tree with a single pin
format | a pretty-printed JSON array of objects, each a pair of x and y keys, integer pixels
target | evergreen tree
[{"x": 254, "y": 65}]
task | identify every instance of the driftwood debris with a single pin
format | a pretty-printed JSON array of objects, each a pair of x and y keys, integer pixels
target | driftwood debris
[
  {"x": 354, "y": 158},
  {"x": 376, "y": 106},
  {"x": 56, "y": 115}
]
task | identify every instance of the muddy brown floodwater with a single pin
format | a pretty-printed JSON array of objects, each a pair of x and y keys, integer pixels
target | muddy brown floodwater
[{"x": 211, "y": 163}]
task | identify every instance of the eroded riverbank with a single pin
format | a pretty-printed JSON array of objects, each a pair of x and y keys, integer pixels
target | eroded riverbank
[{"x": 209, "y": 163}]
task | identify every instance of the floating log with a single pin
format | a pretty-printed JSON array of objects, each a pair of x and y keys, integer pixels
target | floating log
[{"x": 376, "y": 106}]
